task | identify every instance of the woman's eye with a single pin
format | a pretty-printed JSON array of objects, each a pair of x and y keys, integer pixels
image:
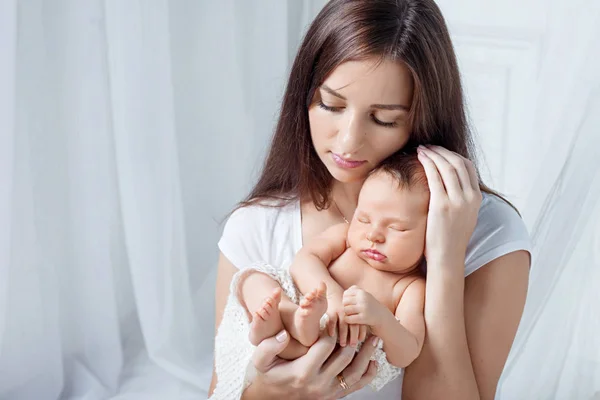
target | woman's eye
[
  {"x": 382, "y": 123},
  {"x": 328, "y": 108}
]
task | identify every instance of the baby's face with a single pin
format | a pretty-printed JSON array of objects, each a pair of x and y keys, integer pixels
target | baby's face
[{"x": 388, "y": 227}]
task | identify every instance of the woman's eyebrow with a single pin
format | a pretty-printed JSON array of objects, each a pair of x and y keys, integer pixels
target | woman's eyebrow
[
  {"x": 390, "y": 107},
  {"x": 332, "y": 92},
  {"x": 378, "y": 106}
]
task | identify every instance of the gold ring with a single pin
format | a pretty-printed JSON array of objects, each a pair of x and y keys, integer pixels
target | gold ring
[{"x": 343, "y": 383}]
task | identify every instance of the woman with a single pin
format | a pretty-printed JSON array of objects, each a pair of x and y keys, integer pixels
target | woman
[{"x": 371, "y": 78}]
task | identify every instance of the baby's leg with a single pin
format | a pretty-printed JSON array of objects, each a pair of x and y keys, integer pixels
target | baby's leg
[
  {"x": 272, "y": 313},
  {"x": 261, "y": 296},
  {"x": 303, "y": 321}
]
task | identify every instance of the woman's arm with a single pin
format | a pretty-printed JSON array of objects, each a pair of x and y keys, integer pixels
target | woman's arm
[{"x": 471, "y": 326}]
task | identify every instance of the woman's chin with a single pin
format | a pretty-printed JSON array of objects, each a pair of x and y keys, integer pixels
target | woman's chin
[{"x": 347, "y": 175}]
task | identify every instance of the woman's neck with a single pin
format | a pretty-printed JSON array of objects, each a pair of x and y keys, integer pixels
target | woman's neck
[{"x": 345, "y": 196}]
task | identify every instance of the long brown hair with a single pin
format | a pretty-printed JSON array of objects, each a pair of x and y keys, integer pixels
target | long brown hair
[{"x": 409, "y": 31}]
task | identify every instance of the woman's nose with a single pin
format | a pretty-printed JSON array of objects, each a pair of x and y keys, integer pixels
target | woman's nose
[{"x": 351, "y": 135}]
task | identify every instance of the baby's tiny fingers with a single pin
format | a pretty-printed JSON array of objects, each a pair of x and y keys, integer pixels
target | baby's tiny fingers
[{"x": 351, "y": 309}]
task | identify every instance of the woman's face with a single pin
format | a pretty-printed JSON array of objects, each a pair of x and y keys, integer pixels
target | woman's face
[{"x": 359, "y": 116}]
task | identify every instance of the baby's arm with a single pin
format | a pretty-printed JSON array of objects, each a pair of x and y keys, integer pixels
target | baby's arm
[
  {"x": 310, "y": 266},
  {"x": 403, "y": 333}
]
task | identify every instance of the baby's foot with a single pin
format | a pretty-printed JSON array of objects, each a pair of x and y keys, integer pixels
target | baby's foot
[
  {"x": 308, "y": 315},
  {"x": 266, "y": 321}
]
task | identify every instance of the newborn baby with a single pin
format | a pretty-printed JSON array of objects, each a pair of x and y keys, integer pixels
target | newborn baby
[{"x": 364, "y": 275}]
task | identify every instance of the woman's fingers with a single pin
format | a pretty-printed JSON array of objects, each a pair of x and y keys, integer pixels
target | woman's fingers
[
  {"x": 354, "y": 331},
  {"x": 457, "y": 162},
  {"x": 337, "y": 362},
  {"x": 355, "y": 371},
  {"x": 363, "y": 381},
  {"x": 446, "y": 171},
  {"x": 331, "y": 327},
  {"x": 434, "y": 180},
  {"x": 362, "y": 333},
  {"x": 473, "y": 176},
  {"x": 317, "y": 354},
  {"x": 266, "y": 352},
  {"x": 355, "y": 368},
  {"x": 465, "y": 169},
  {"x": 343, "y": 331},
  {"x": 332, "y": 319}
]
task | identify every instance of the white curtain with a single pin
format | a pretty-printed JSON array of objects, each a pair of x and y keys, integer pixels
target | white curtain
[
  {"x": 556, "y": 354},
  {"x": 128, "y": 130}
]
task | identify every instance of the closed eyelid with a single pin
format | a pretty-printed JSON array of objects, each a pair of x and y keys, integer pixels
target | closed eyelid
[{"x": 395, "y": 115}]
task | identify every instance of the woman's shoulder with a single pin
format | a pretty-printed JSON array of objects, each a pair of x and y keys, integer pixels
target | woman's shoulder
[
  {"x": 497, "y": 213},
  {"x": 263, "y": 213},
  {"x": 256, "y": 232},
  {"x": 500, "y": 230}
]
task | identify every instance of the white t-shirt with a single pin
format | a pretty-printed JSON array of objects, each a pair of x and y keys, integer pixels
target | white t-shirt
[{"x": 274, "y": 235}]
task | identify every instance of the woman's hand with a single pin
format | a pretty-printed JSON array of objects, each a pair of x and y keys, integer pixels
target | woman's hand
[
  {"x": 314, "y": 375},
  {"x": 453, "y": 206}
]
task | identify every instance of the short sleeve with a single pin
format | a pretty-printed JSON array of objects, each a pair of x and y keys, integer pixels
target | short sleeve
[
  {"x": 242, "y": 241},
  {"x": 500, "y": 230}
]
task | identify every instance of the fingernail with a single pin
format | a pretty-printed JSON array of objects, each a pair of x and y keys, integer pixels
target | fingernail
[
  {"x": 281, "y": 336},
  {"x": 375, "y": 341}
]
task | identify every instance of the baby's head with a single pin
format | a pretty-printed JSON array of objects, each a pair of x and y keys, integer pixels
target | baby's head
[{"x": 388, "y": 227}]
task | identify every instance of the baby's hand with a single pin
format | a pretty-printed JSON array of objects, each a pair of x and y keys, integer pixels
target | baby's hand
[{"x": 360, "y": 307}]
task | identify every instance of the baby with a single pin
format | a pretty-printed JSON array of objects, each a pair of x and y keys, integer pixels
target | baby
[{"x": 364, "y": 275}]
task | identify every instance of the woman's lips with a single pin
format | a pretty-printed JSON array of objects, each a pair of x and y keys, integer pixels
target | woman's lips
[
  {"x": 343, "y": 163},
  {"x": 374, "y": 255}
]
